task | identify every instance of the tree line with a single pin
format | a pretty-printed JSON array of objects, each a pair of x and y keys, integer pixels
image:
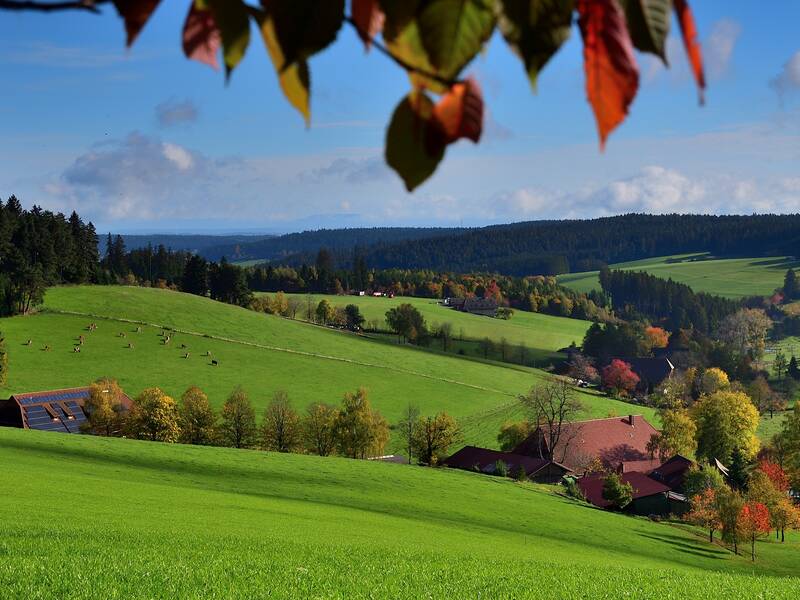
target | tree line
[
  {"x": 354, "y": 429},
  {"x": 39, "y": 248}
]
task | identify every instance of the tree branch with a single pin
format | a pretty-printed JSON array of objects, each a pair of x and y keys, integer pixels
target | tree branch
[
  {"x": 36, "y": 6},
  {"x": 384, "y": 50}
]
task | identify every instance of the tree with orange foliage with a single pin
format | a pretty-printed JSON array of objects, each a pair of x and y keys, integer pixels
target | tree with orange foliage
[
  {"x": 704, "y": 512},
  {"x": 776, "y": 475},
  {"x": 754, "y": 523},
  {"x": 656, "y": 337},
  {"x": 619, "y": 378},
  {"x": 784, "y": 515}
]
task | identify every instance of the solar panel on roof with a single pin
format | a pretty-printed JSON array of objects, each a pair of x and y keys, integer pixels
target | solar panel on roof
[{"x": 25, "y": 400}]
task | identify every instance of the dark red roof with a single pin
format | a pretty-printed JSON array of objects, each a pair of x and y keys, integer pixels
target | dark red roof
[
  {"x": 640, "y": 466},
  {"x": 673, "y": 472},
  {"x": 643, "y": 486},
  {"x": 612, "y": 440},
  {"x": 472, "y": 458}
]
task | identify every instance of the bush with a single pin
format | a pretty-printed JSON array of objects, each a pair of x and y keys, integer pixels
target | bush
[{"x": 501, "y": 469}]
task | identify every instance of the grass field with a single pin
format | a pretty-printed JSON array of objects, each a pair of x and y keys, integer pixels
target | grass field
[
  {"x": 729, "y": 277},
  {"x": 92, "y": 517},
  {"x": 541, "y": 334},
  {"x": 260, "y": 352}
]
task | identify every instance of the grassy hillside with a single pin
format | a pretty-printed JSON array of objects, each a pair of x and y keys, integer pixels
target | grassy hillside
[
  {"x": 542, "y": 334},
  {"x": 94, "y": 517},
  {"x": 262, "y": 353},
  {"x": 730, "y": 277}
]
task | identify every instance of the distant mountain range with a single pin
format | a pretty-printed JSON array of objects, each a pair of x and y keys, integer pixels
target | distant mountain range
[{"x": 527, "y": 248}]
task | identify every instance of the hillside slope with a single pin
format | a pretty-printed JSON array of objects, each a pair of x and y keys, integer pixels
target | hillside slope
[
  {"x": 262, "y": 353},
  {"x": 728, "y": 277},
  {"x": 94, "y": 517}
]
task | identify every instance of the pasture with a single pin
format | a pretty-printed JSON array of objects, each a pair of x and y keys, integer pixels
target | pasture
[
  {"x": 728, "y": 277},
  {"x": 147, "y": 520},
  {"x": 542, "y": 334},
  {"x": 263, "y": 353}
]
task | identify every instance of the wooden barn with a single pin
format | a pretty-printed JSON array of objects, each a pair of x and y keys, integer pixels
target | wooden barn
[
  {"x": 54, "y": 410},
  {"x": 483, "y": 460}
]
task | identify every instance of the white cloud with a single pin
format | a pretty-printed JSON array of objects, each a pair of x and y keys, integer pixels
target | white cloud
[
  {"x": 720, "y": 46},
  {"x": 178, "y": 155}
]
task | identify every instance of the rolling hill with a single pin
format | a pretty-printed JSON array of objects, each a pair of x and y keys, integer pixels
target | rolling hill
[
  {"x": 542, "y": 334},
  {"x": 728, "y": 277},
  {"x": 89, "y": 516},
  {"x": 262, "y": 353}
]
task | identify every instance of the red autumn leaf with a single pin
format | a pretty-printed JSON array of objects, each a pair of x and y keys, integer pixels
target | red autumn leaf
[
  {"x": 201, "y": 38},
  {"x": 460, "y": 112},
  {"x": 368, "y": 19},
  {"x": 691, "y": 43},
  {"x": 612, "y": 76},
  {"x": 135, "y": 14}
]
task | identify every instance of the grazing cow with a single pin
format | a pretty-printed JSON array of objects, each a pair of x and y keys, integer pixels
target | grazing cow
[
  {"x": 76, "y": 349},
  {"x": 130, "y": 345},
  {"x": 29, "y": 342},
  {"x": 46, "y": 348},
  {"x": 138, "y": 330},
  {"x": 183, "y": 346},
  {"x": 186, "y": 355},
  {"x": 208, "y": 353},
  {"x": 214, "y": 363}
]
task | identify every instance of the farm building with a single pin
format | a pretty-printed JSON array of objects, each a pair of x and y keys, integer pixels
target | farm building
[
  {"x": 649, "y": 496},
  {"x": 652, "y": 372},
  {"x": 476, "y": 306},
  {"x": 54, "y": 410},
  {"x": 613, "y": 440},
  {"x": 472, "y": 458}
]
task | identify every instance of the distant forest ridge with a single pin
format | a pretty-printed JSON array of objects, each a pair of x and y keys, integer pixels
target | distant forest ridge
[{"x": 526, "y": 248}]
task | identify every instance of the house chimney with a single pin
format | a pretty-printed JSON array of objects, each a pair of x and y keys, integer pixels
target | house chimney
[{"x": 632, "y": 420}]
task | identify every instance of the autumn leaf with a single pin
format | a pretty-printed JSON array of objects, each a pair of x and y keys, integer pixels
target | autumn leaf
[
  {"x": 135, "y": 13},
  {"x": 535, "y": 29},
  {"x": 294, "y": 78},
  {"x": 691, "y": 43},
  {"x": 233, "y": 22},
  {"x": 398, "y": 14},
  {"x": 201, "y": 39},
  {"x": 459, "y": 113},
  {"x": 648, "y": 24},
  {"x": 414, "y": 142},
  {"x": 454, "y": 31},
  {"x": 368, "y": 19},
  {"x": 304, "y": 27},
  {"x": 612, "y": 76}
]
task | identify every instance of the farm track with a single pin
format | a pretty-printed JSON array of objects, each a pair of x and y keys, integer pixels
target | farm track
[{"x": 276, "y": 349}]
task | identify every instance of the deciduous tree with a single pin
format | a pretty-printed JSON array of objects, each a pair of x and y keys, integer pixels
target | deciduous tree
[
  {"x": 714, "y": 380},
  {"x": 618, "y": 493},
  {"x": 754, "y": 523},
  {"x": 104, "y": 408},
  {"x": 318, "y": 428},
  {"x": 407, "y": 428},
  {"x": 746, "y": 331},
  {"x": 281, "y": 430},
  {"x": 237, "y": 427},
  {"x": 704, "y": 512},
  {"x": 197, "y": 418},
  {"x": 619, "y": 378},
  {"x": 677, "y": 435},
  {"x": 552, "y": 406},
  {"x": 725, "y": 420},
  {"x": 433, "y": 437},
  {"x": 154, "y": 416},
  {"x": 407, "y": 322},
  {"x": 513, "y": 433},
  {"x": 360, "y": 431}
]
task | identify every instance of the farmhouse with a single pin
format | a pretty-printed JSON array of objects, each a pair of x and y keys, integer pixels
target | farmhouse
[
  {"x": 54, "y": 410},
  {"x": 649, "y": 496},
  {"x": 652, "y": 372},
  {"x": 472, "y": 458},
  {"x": 613, "y": 440},
  {"x": 475, "y": 306}
]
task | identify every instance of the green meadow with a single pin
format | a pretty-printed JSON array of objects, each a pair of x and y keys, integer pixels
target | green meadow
[
  {"x": 115, "y": 518},
  {"x": 729, "y": 277},
  {"x": 262, "y": 353}
]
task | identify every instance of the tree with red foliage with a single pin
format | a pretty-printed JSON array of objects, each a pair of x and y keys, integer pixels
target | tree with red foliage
[
  {"x": 776, "y": 475},
  {"x": 704, "y": 512},
  {"x": 619, "y": 378},
  {"x": 754, "y": 523}
]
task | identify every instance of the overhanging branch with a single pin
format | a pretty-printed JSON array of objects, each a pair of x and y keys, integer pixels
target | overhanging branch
[{"x": 35, "y": 6}]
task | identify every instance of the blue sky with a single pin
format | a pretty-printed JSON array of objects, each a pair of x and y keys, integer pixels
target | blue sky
[{"x": 144, "y": 140}]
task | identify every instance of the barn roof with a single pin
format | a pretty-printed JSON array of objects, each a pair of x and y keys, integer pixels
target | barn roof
[
  {"x": 672, "y": 472},
  {"x": 473, "y": 458},
  {"x": 54, "y": 410},
  {"x": 652, "y": 370},
  {"x": 643, "y": 486},
  {"x": 613, "y": 440}
]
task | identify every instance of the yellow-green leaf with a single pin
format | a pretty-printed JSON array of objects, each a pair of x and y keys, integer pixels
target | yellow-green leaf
[
  {"x": 294, "y": 78},
  {"x": 232, "y": 19},
  {"x": 535, "y": 29},
  {"x": 414, "y": 142},
  {"x": 454, "y": 31}
]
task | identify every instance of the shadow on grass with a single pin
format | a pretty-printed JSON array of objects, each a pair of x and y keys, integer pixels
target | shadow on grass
[{"x": 687, "y": 546}]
